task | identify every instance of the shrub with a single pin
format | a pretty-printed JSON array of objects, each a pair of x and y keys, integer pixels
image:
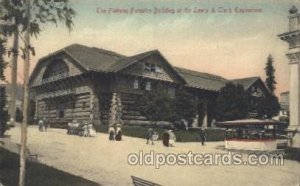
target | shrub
[{"x": 181, "y": 135}]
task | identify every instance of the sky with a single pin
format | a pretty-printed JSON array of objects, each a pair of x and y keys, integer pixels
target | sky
[{"x": 207, "y": 36}]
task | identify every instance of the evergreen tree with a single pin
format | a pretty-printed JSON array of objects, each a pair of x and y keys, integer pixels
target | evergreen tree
[
  {"x": 270, "y": 73},
  {"x": 269, "y": 106}
]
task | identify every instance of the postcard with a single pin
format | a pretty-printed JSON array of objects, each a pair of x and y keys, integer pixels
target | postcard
[{"x": 149, "y": 92}]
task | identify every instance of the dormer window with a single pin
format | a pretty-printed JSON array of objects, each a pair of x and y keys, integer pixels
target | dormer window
[
  {"x": 147, "y": 67},
  {"x": 158, "y": 69},
  {"x": 152, "y": 68}
]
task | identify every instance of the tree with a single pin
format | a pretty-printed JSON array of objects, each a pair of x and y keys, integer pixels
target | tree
[
  {"x": 268, "y": 107},
  {"x": 270, "y": 73},
  {"x": 185, "y": 106},
  {"x": 156, "y": 105},
  {"x": 232, "y": 103},
  {"x": 3, "y": 115},
  {"x": 14, "y": 14},
  {"x": 27, "y": 16},
  {"x": 115, "y": 111}
]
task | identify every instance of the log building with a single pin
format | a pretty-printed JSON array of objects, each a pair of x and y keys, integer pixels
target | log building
[{"x": 77, "y": 82}]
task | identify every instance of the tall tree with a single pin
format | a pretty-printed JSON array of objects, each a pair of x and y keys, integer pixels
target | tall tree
[
  {"x": 26, "y": 58},
  {"x": 270, "y": 73},
  {"x": 232, "y": 103},
  {"x": 12, "y": 14},
  {"x": 2, "y": 89},
  {"x": 43, "y": 11},
  {"x": 269, "y": 106},
  {"x": 17, "y": 15}
]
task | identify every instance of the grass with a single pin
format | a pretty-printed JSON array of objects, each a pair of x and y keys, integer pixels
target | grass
[
  {"x": 181, "y": 135},
  {"x": 36, "y": 174}
]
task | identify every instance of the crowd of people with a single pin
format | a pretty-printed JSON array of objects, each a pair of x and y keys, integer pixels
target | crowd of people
[
  {"x": 84, "y": 129},
  {"x": 115, "y": 133}
]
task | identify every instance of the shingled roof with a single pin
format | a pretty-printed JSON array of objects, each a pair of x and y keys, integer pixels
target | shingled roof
[
  {"x": 93, "y": 58},
  {"x": 246, "y": 82},
  {"x": 96, "y": 59},
  {"x": 202, "y": 80}
]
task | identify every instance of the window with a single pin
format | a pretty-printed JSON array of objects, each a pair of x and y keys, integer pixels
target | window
[
  {"x": 158, "y": 68},
  {"x": 153, "y": 67},
  {"x": 147, "y": 67},
  {"x": 148, "y": 86},
  {"x": 136, "y": 84},
  {"x": 83, "y": 105}
]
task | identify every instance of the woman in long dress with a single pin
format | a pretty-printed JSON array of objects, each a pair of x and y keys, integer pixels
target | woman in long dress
[{"x": 111, "y": 132}]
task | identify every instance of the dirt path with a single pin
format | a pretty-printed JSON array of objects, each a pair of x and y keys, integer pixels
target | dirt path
[{"x": 105, "y": 162}]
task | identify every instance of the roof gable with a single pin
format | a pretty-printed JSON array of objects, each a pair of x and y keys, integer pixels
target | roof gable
[
  {"x": 135, "y": 65},
  {"x": 248, "y": 82}
]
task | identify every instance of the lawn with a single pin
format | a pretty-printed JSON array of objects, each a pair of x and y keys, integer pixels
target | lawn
[{"x": 36, "y": 173}]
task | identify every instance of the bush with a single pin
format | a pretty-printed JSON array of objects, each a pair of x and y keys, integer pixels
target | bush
[
  {"x": 181, "y": 135},
  {"x": 232, "y": 103},
  {"x": 192, "y": 135}
]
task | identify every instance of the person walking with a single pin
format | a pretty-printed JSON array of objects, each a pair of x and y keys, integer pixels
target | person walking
[
  {"x": 41, "y": 125},
  {"x": 118, "y": 133},
  {"x": 111, "y": 132},
  {"x": 172, "y": 138},
  {"x": 149, "y": 135},
  {"x": 203, "y": 136}
]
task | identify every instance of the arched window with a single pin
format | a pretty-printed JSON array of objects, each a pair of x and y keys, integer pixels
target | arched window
[{"x": 57, "y": 69}]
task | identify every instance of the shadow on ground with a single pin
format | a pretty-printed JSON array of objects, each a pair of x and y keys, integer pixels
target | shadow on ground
[{"x": 36, "y": 174}]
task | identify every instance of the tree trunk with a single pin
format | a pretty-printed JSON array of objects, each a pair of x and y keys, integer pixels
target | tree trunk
[
  {"x": 26, "y": 103},
  {"x": 14, "y": 69}
]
